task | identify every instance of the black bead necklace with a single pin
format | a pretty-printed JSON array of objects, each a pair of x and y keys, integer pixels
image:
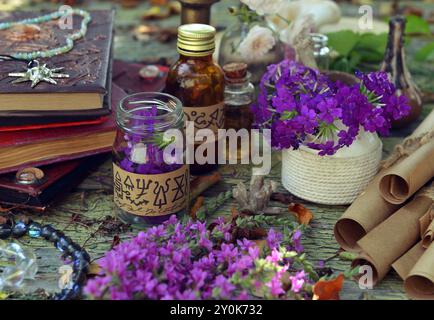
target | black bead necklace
[{"x": 81, "y": 258}]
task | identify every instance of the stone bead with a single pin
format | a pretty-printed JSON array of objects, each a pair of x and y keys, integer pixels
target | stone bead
[
  {"x": 79, "y": 277},
  {"x": 19, "y": 229},
  {"x": 5, "y": 231},
  {"x": 55, "y": 236},
  {"x": 80, "y": 266},
  {"x": 73, "y": 247},
  {"x": 35, "y": 229},
  {"x": 46, "y": 231},
  {"x": 62, "y": 295},
  {"x": 81, "y": 255},
  {"x": 75, "y": 291},
  {"x": 63, "y": 243}
]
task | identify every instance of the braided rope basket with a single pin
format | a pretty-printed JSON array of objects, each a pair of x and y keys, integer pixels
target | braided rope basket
[{"x": 332, "y": 180}]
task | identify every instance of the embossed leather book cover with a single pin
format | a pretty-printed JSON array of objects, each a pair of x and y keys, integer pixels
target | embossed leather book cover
[{"x": 88, "y": 65}]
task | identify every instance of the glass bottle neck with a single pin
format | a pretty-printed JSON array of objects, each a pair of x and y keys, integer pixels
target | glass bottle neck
[
  {"x": 207, "y": 58},
  {"x": 239, "y": 86}
]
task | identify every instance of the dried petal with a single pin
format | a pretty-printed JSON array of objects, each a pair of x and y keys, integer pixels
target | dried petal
[
  {"x": 303, "y": 214},
  {"x": 328, "y": 289}
]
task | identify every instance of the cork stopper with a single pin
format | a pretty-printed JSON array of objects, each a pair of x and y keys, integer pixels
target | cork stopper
[{"x": 236, "y": 72}]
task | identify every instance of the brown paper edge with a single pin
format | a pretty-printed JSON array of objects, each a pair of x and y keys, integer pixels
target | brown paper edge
[{"x": 422, "y": 274}]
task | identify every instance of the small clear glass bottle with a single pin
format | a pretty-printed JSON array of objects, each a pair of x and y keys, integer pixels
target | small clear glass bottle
[
  {"x": 150, "y": 182},
  {"x": 239, "y": 95},
  {"x": 321, "y": 51}
]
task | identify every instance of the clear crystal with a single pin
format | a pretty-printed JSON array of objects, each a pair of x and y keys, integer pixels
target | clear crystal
[
  {"x": 10, "y": 251},
  {"x": 18, "y": 264},
  {"x": 12, "y": 277},
  {"x": 28, "y": 263}
]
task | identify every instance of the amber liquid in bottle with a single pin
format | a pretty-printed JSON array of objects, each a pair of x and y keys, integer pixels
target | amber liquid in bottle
[{"x": 198, "y": 82}]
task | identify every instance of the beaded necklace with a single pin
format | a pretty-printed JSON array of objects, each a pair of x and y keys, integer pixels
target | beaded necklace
[
  {"x": 80, "y": 257},
  {"x": 50, "y": 52},
  {"x": 34, "y": 71}
]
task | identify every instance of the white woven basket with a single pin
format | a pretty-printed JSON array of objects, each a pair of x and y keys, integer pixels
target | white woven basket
[{"x": 333, "y": 180}]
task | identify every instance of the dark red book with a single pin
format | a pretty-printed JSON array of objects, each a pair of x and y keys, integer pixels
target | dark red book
[
  {"x": 44, "y": 146},
  {"x": 52, "y": 125},
  {"x": 57, "y": 180}
]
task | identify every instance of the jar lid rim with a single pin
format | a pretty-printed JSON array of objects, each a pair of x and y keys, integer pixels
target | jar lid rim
[{"x": 123, "y": 115}]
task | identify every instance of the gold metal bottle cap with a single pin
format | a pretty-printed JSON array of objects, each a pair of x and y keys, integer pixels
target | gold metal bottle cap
[{"x": 196, "y": 40}]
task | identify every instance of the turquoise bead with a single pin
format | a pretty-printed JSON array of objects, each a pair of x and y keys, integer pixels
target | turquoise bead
[{"x": 52, "y": 16}]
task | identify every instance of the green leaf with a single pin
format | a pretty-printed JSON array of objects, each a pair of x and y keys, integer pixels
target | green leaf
[
  {"x": 355, "y": 59},
  {"x": 351, "y": 273},
  {"x": 426, "y": 53},
  {"x": 349, "y": 256},
  {"x": 372, "y": 42},
  {"x": 287, "y": 115},
  {"x": 417, "y": 24},
  {"x": 370, "y": 56},
  {"x": 340, "y": 64},
  {"x": 343, "y": 41}
]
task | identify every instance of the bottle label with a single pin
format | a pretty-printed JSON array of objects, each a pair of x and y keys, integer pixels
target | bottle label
[
  {"x": 211, "y": 117},
  {"x": 151, "y": 195}
]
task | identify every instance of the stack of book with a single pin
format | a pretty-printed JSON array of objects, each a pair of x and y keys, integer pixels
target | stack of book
[{"x": 60, "y": 129}]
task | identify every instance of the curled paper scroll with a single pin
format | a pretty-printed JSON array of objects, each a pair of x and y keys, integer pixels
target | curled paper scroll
[
  {"x": 419, "y": 284},
  {"x": 365, "y": 213},
  {"x": 416, "y": 266},
  {"x": 406, "y": 262},
  {"x": 427, "y": 228},
  {"x": 406, "y": 177},
  {"x": 370, "y": 208},
  {"x": 392, "y": 238}
]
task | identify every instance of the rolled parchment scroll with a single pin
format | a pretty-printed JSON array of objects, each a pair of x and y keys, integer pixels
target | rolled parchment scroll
[
  {"x": 370, "y": 208},
  {"x": 410, "y": 174},
  {"x": 391, "y": 239},
  {"x": 419, "y": 283}
]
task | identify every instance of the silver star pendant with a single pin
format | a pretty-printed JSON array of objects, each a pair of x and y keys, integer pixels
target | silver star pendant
[{"x": 37, "y": 73}]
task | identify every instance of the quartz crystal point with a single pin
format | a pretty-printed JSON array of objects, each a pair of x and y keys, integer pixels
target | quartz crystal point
[
  {"x": 257, "y": 198},
  {"x": 16, "y": 264}
]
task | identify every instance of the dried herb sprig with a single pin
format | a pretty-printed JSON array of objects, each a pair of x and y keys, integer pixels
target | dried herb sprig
[
  {"x": 265, "y": 221},
  {"x": 212, "y": 205}
]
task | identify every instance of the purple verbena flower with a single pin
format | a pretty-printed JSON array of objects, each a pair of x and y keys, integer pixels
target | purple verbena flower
[{"x": 303, "y": 107}]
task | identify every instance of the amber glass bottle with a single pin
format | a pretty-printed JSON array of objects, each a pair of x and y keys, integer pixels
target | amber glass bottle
[{"x": 199, "y": 83}]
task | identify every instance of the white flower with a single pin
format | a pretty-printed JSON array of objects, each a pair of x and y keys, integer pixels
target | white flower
[
  {"x": 263, "y": 7},
  {"x": 257, "y": 43},
  {"x": 298, "y": 30},
  {"x": 138, "y": 154}
]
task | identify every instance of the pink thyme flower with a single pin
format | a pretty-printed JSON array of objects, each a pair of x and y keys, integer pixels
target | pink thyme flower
[{"x": 297, "y": 281}]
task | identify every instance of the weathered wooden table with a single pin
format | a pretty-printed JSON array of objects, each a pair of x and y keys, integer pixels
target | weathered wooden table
[{"x": 82, "y": 213}]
